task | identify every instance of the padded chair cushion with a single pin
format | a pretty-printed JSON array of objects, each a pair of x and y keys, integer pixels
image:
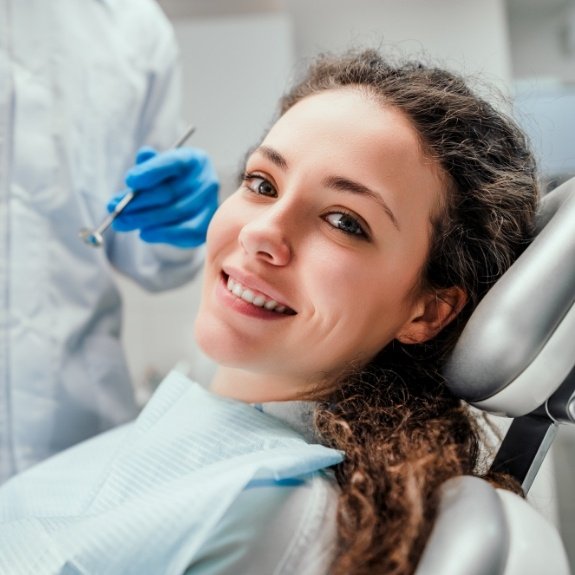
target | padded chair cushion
[{"x": 518, "y": 347}]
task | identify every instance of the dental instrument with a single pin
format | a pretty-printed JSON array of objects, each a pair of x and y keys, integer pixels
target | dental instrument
[{"x": 95, "y": 236}]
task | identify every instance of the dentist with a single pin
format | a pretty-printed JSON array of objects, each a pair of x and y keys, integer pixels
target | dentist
[{"x": 84, "y": 85}]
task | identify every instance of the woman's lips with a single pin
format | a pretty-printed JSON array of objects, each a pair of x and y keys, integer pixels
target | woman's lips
[{"x": 252, "y": 301}]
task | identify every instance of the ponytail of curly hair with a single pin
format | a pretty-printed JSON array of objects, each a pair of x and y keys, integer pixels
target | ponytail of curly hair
[{"x": 402, "y": 430}]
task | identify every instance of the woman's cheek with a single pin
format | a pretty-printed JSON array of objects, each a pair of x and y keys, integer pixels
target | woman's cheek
[{"x": 221, "y": 228}]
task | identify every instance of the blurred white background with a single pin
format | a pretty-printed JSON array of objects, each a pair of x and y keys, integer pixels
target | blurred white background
[{"x": 239, "y": 56}]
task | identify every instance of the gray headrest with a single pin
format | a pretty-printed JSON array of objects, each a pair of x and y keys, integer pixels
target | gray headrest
[{"x": 522, "y": 330}]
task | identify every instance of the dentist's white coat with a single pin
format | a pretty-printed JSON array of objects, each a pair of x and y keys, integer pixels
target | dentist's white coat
[{"x": 83, "y": 84}]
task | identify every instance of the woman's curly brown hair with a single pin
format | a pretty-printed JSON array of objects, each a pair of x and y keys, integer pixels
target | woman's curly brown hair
[{"x": 401, "y": 429}]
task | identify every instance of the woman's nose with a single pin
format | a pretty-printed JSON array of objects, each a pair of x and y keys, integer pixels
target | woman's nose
[{"x": 266, "y": 238}]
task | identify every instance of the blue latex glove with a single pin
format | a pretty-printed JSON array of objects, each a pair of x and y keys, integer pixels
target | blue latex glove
[{"x": 177, "y": 195}]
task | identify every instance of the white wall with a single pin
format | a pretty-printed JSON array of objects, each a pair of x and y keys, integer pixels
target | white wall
[
  {"x": 543, "y": 40},
  {"x": 468, "y": 35},
  {"x": 235, "y": 69},
  {"x": 546, "y": 111},
  {"x": 543, "y": 64}
]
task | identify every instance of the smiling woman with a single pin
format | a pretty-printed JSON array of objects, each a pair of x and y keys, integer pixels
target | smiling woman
[
  {"x": 370, "y": 220},
  {"x": 336, "y": 207},
  {"x": 378, "y": 210}
]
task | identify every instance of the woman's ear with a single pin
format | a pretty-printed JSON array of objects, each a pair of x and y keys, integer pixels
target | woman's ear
[{"x": 431, "y": 314}]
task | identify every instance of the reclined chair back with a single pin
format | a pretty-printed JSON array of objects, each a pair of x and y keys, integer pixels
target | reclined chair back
[{"x": 516, "y": 358}]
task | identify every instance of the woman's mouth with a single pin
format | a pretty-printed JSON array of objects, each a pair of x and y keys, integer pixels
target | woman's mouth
[{"x": 255, "y": 298}]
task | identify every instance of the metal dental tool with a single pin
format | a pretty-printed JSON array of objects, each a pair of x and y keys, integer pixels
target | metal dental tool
[{"x": 95, "y": 236}]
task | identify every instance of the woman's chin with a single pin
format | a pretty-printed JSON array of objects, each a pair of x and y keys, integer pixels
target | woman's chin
[{"x": 219, "y": 345}]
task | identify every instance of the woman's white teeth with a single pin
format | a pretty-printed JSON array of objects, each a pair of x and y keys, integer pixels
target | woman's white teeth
[{"x": 258, "y": 300}]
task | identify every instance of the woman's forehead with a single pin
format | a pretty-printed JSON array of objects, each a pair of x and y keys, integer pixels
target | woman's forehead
[{"x": 348, "y": 120}]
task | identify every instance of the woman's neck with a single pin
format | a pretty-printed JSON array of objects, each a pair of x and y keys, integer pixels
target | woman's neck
[{"x": 257, "y": 387}]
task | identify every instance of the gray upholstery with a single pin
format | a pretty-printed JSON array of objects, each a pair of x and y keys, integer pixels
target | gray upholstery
[{"x": 527, "y": 311}]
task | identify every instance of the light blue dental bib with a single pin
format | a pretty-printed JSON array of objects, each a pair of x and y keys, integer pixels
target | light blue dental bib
[{"x": 144, "y": 498}]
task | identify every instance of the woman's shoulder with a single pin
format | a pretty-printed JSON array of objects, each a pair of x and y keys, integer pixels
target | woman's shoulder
[{"x": 280, "y": 528}]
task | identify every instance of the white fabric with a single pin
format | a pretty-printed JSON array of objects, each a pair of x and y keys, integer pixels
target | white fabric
[
  {"x": 83, "y": 83},
  {"x": 287, "y": 530},
  {"x": 166, "y": 495}
]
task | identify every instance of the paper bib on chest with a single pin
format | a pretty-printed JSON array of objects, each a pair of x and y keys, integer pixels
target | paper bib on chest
[{"x": 144, "y": 498}]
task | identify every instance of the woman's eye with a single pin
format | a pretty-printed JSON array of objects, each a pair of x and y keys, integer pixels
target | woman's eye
[
  {"x": 346, "y": 223},
  {"x": 260, "y": 185}
]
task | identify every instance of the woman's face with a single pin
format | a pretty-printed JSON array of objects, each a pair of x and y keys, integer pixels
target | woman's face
[{"x": 316, "y": 260}]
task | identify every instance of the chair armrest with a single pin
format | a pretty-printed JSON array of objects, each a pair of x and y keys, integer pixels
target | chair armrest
[{"x": 470, "y": 535}]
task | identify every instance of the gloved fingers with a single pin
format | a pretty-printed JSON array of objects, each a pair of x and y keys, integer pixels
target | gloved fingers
[
  {"x": 188, "y": 234},
  {"x": 163, "y": 195},
  {"x": 182, "y": 209},
  {"x": 144, "y": 154},
  {"x": 177, "y": 198},
  {"x": 166, "y": 194},
  {"x": 145, "y": 199},
  {"x": 169, "y": 164}
]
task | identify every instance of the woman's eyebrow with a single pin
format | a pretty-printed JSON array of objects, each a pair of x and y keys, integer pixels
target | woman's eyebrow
[
  {"x": 346, "y": 185},
  {"x": 273, "y": 156}
]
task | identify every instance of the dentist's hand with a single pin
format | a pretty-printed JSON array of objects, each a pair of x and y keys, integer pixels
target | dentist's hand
[{"x": 177, "y": 195}]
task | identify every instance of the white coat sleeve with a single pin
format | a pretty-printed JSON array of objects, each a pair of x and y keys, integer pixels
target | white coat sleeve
[{"x": 155, "y": 267}]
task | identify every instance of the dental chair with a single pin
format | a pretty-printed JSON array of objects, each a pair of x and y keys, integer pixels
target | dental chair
[{"x": 515, "y": 358}]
